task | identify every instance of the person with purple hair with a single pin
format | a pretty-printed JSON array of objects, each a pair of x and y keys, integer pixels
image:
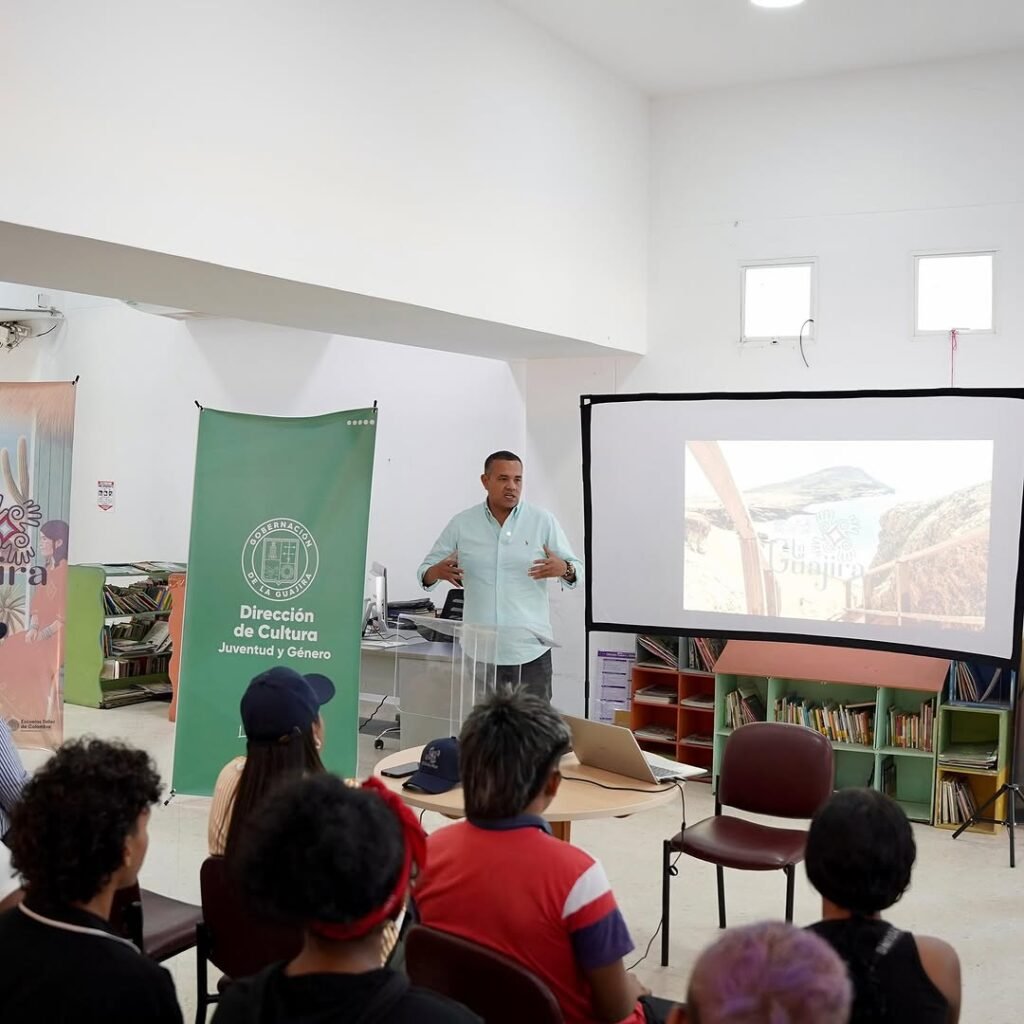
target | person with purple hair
[{"x": 770, "y": 973}]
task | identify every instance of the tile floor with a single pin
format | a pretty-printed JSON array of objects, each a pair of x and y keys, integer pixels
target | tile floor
[{"x": 963, "y": 891}]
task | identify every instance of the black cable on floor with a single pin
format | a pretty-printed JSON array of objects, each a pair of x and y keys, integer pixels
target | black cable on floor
[{"x": 373, "y": 714}]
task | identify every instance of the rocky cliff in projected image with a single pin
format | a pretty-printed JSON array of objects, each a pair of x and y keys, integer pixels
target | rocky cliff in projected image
[{"x": 839, "y": 530}]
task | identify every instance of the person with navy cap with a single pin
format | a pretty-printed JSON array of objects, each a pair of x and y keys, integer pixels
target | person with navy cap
[{"x": 284, "y": 733}]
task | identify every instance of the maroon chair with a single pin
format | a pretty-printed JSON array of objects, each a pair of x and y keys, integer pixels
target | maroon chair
[
  {"x": 232, "y": 938},
  {"x": 488, "y": 983},
  {"x": 160, "y": 926},
  {"x": 786, "y": 771}
]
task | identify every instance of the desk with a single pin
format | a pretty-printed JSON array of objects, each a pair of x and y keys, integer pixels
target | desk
[{"x": 576, "y": 800}]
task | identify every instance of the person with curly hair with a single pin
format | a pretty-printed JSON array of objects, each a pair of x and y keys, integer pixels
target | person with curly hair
[
  {"x": 338, "y": 861},
  {"x": 769, "y": 973},
  {"x": 78, "y": 834},
  {"x": 860, "y": 853}
]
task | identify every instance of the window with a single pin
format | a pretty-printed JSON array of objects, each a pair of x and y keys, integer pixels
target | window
[
  {"x": 953, "y": 291},
  {"x": 777, "y": 300}
]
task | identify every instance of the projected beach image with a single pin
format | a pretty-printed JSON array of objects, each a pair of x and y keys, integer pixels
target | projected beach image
[{"x": 885, "y": 532}]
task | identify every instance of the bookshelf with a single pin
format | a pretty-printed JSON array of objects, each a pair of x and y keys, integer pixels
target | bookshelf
[
  {"x": 891, "y": 718},
  {"x": 108, "y": 601},
  {"x": 973, "y": 726},
  {"x": 672, "y": 707},
  {"x": 807, "y": 682}
]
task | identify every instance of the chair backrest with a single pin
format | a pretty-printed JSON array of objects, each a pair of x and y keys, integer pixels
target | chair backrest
[
  {"x": 237, "y": 941},
  {"x": 126, "y": 914},
  {"x": 776, "y": 768},
  {"x": 491, "y": 985}
]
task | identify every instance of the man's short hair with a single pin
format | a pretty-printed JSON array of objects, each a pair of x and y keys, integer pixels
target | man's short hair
[
  {"x": 69, "y": 828},
  {"x": 500, "y": 457},
  {"x": 769, "y": 972},
  {"x": 860, "y": 851},
  {"x": 508, "y": 746}
]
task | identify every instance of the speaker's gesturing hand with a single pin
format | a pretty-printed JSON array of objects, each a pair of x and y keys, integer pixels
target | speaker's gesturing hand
[
  {"x": 447, "y": 569},
  {"x": 549, "y": 568}
]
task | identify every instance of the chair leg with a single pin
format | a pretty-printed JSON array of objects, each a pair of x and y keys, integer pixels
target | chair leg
[
  {"x": 790, "y": 870},
  {"x": 666, "y": 879},
  {"x": 720, "y": 872},
  {"x": 202, "y": 990}
]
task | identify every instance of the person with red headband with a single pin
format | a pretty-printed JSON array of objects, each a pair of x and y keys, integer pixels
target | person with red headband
[{"x": 339, "y": 861}]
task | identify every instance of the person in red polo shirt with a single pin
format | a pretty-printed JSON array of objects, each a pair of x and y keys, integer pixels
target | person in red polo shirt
[{"x": 552, "y": 910}]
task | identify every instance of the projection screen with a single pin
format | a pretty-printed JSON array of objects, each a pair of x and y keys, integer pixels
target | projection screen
[{"x": 881, "y": 519}]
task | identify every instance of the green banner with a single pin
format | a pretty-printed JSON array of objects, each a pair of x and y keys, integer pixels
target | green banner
[{"x": 275, "y": 576}]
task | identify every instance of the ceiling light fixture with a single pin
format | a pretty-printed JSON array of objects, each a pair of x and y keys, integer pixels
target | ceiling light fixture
[{"x": 776, "y": 3}]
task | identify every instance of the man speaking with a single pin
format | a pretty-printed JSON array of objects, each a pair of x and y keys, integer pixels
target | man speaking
[{"x": 503, "y": 552}]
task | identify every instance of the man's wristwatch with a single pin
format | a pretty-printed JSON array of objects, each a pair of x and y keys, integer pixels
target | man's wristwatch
[{"x": 570, "y": 572}]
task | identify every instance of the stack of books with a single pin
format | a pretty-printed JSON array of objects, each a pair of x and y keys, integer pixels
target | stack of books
[
  {"x": 699, "y": 702},
  {"x": 956, "y": 801},
  {"x": 662, "y": 733},
  {"x": 977, "y": 684},
  {"x": 657, "y": 694},
  {"x": 742, "y": 706},
  {"x": 702, "y": 653},
  {"x": 979, "y": 756},
  {"x": 139, "y": 598},
  {"x": 912, "y": 730},
  {"x": 134, "y": 639},
  {"x": 654, "y": 646},
  {"x": 841, "y": 723}
]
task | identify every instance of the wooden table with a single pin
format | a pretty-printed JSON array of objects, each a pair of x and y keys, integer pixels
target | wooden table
[{"x": 576, "y": 800}]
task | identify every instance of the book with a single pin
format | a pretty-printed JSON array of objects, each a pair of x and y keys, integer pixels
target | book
[
  {"x": 841, "y": 723},
  {"x": 701, "y": 701},
  {"x": 912, "y": 730},
  {"x": 699, "y": 739},
  {"x": 956, "y": 801},
  {"x": 656, "y": 694},
  {"x": 658, "y": 649},
  {"x": 980, "y": 756},
  {"x": 656, "y": 732},
  {"x": 743, "y": 705}
]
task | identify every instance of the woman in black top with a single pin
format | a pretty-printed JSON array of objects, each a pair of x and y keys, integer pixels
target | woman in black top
[
  {"x": 338, "y": 861},
  {"x": 860, "y": 852}
]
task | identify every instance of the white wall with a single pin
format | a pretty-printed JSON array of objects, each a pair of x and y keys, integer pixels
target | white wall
[
  {"x": 448, "y": 154},
  {"x": 859, "y": 170},
  {"x": 439, "y": 415}
]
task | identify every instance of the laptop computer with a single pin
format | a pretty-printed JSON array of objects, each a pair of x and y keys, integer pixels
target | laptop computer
[{"x": 615, "y": 749}]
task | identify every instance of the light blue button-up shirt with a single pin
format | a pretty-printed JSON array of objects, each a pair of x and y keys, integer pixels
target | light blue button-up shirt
[{"x": 495, "y": 560}]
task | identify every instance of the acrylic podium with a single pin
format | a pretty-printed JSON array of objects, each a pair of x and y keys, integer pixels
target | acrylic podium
[{"x": 439, "y": 680}]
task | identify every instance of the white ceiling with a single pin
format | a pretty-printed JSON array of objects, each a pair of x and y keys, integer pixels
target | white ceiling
[{"x": 673, "y": 46}]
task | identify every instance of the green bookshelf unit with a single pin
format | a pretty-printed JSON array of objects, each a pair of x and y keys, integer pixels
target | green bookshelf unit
[
  {"x": 888, "y": 716},
  {"x": 120, "y": 601},
  {"x": 855, "y": 697}
]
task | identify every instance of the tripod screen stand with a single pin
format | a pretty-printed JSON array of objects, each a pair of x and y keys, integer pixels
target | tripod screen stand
[{"x": 1010, "y": 789}]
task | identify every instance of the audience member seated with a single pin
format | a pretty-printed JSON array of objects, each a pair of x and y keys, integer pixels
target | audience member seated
[
  {"x": 284, "y": 734},
  {"x": 860, "y": 852},
  {"x": 78, "y": 835},
  {"x": 12, "y": 779},
  {"x": 500, "y": 878},
  {"x": 338, "y": 861},
  {"x": 769, "y": 973}
]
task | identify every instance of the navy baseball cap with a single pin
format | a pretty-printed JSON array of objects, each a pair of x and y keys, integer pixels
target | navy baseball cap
[
  {"x": 439, "y": 767},
  {"x": 280, "y": 701}
]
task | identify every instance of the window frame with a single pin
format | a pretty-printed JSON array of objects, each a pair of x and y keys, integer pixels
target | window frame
[
  {"x": 915, "y": 265},
  {"x": 788, "y": 261}
]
